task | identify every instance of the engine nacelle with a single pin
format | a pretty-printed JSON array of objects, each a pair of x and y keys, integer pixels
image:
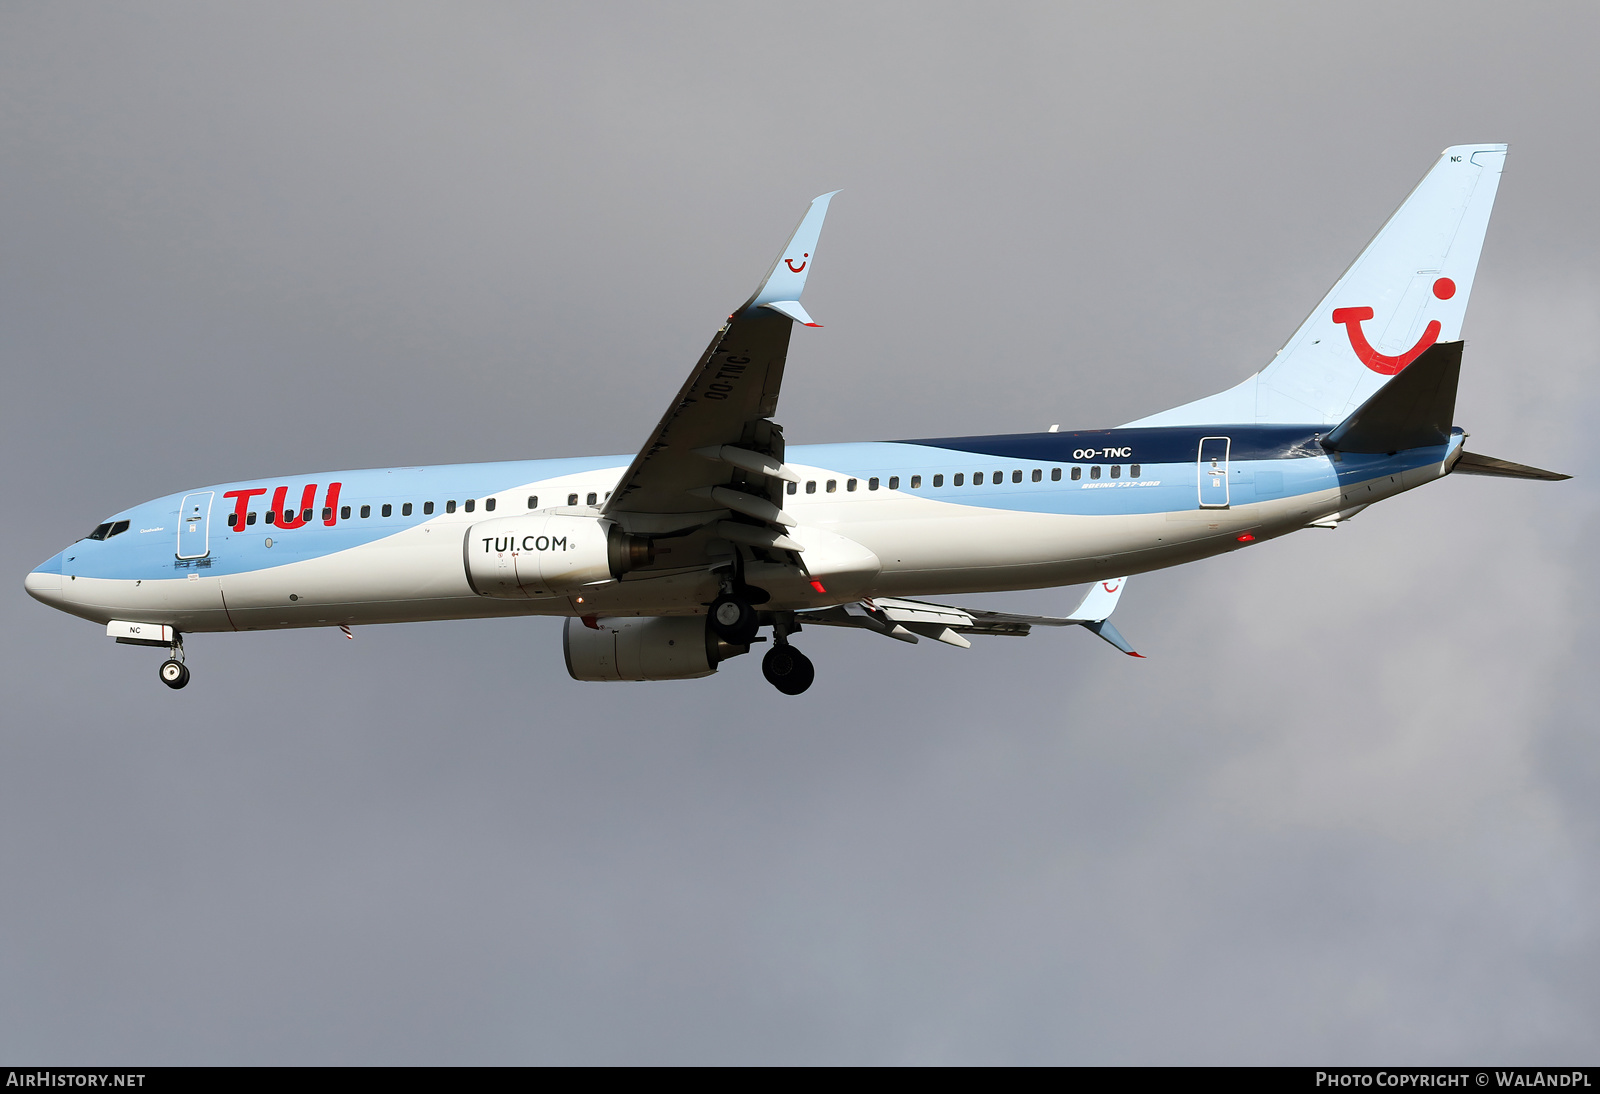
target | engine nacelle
[
  {"x": 678, "y": 647},
  {"x": 547, "y": 554}
]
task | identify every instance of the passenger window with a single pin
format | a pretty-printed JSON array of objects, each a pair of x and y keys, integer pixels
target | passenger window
[
  {"x": 592, "y": 498},
  {"x": 427, "y": 508},
  {"x": 1077, "y": 473},
  {"x": 272, "y": 516},
  {"x": 1055, "y": 474},
  {"x": 1094, "y": 472},
  {"x": 470, "y": 504},
  {"x": 916, "y": 482},
  {"x": 938, "y": 480},
  {"x": 850, "y": 485},
  {"x": 533, "y": 501},
  {"x": 344, "y": 514},
  {"x": 1116, "y": 471},
  {"x": 306, "y": 515},
  {"x": 959, "y": 478},
  {"x": 872, "y": 483},
  {"x": 1016, "y": 476},
  {"x": 811, "y": 486},
  {"x": 894, "y": 482},
  {"x": 449, "y": 506},
  {"x": 833, "y": 485},
  {"x": 233, "y": 519},
  {"x": 388, "y": 510},
  {"x": 791, "y": 487},
  {"x": 1133, "y": 471},
  {"x": 327, "y": 512},
  {"x": 405, "y": 510},
  {"x": 366, "y": 511},
  {"x": 250, "y": 517},
  {"x": 572, "y": 499},
  {"x": 998, "y": 477},
  {"x": 488, "y": 505}
]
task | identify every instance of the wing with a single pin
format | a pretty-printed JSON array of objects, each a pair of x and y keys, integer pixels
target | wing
[
  {"x": 716, "y": 452},
  {"x": 906, "y": 620}
]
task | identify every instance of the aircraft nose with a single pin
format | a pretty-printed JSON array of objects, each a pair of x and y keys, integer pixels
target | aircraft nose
[{"x": 44, "y": 583}]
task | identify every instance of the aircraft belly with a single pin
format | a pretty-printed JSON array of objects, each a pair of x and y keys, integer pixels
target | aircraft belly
[
  {"x": 412, "y": 575},
  {"x": 986, "y": 550}
]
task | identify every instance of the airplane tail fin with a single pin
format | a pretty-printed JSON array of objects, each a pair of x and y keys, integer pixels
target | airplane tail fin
[{"x": 1406, "y": 292}]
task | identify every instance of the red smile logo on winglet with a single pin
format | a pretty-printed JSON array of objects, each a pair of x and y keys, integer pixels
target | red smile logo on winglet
[
  {"x": 1352, "y": 318},
  {"x": 789, "y": 262}
]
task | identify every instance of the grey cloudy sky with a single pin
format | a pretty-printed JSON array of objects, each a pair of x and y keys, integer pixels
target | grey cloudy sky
[{"x": 1344, "y": 812}]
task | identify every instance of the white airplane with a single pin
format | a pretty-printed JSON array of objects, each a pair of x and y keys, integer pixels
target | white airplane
[{"x": 669, "y": 563}]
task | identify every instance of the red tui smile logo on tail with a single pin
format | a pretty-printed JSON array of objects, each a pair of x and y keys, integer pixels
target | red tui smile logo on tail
[{"x": 1352, "y": 318}]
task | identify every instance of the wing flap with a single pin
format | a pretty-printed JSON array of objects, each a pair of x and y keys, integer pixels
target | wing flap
[{"x": 906, "y": 619}]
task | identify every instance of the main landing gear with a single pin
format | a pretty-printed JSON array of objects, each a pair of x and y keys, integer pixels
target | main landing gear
[
  {"x": 787, "y": 669},
  {"x": 734, "y": 619}
]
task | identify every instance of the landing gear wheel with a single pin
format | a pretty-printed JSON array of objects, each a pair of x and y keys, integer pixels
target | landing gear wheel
[
  {"x": 174, "y": 673},
  {"x": 787, "y": 669},
  {"x": 733, "y": 620}
]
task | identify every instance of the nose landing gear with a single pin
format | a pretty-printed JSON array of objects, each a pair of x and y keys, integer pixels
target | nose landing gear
[{"x": 174, "y": 673}]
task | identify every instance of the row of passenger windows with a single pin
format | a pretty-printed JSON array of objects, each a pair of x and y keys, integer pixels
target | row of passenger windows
[
  {"x": 960, "y": 479},
  {"x": 105, "y": 531},
  {"x": 386, "y": 510}
]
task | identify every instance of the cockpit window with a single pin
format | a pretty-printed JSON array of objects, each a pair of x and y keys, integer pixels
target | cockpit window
[
  {"x": 117, "y": 529},
  {"x": 101, "y": 531}
]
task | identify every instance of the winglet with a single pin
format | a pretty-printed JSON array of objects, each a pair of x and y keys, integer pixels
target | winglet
[
  {"x": 786, "y": 280},
  {"x": 1094, "y": 613},
  {"x": 793, "y": 310},
  {"x": 1105, "y": 630},
  {"x": 1099, "y": 602}
]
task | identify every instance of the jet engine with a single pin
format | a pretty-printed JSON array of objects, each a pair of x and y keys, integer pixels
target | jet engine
[
  {"x": 546, "y": 554},
  {"x": 645, "y": 648}
]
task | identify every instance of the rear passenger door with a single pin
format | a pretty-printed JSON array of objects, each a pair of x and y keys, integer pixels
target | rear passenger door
[{"x": 1213, "y": 472}]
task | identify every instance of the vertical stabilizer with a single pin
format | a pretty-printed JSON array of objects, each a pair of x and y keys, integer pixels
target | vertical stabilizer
[{"x": 1406, "y": 292}]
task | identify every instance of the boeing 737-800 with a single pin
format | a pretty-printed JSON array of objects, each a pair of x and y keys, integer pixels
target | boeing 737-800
[{"x": 670, "y": 562}]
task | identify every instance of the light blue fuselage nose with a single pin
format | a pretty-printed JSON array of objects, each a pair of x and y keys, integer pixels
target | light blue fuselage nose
[{"x": 44, "y": 583}]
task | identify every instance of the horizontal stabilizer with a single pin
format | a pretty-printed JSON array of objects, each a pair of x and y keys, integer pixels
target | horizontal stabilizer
[
  {"x": 1471, "y": 463},
  {"x": 1413, "y": 410}
]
